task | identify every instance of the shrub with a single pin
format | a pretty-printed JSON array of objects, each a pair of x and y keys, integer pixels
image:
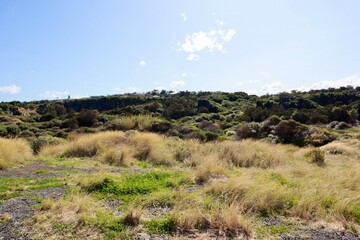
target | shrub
[
  {"x": 290, "y": 131},
  {"x": 87, "y": 118},
  {"x": 210, "y": 136},
  {"x": 12, "y": 130},
  {"x": 247, "y": 130},
  {"x": 317, "y": 157},
  {"x": 318, "y": 137},
  {"x": 38, "y": 143}
]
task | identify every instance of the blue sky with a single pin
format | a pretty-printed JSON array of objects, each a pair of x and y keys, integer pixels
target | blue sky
[{"x": 54, "y": 48}]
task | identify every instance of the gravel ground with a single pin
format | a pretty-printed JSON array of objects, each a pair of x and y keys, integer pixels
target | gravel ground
[
  {"x": 322, "y": 234},
  {"x": 20, "y": 209},
  {"x": 31, "y": 170}
]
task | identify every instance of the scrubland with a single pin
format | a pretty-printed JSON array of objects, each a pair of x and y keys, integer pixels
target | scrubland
[{"x": 122, "y": 184}]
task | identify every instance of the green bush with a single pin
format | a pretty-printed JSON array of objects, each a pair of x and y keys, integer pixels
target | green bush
[{"x": 42, "y": 141}]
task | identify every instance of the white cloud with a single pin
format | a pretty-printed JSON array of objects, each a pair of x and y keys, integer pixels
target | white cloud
[
  {"x": 55, "y": 94},
  {"x": 184, "y": 75},
  {"x": 210, "y": 41},
  {"x": 10, "y": 89},
  {"x": 274, "y": 87},
  {"x": 184, "y": 16},
  {"x": 240, "y": 83},
  {"x": 193, "y": 57},
  {"x": 270, "y": 88},
  {"x": 265, "y": 74},
  {"x": 220, "y": 22},
  {"x": 159, "y": 88},
  {"x": 353, "y": 80},
  {"x": 177, "y": 84},
  {"x": 132, "y": 89},
  {"x": 142, "y": 63},
  {"x": 127, "y": 90},
  {"x": 80, "y": 97},
  {"x": 229, "y": 35}
]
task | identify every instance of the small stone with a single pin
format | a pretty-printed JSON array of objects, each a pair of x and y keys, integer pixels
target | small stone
[{"x": 143, "y": 236}]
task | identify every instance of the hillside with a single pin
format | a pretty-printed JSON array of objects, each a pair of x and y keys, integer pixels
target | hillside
[
  {"x": 192, "y": 115},
  {"x": 161, "y": 165}
]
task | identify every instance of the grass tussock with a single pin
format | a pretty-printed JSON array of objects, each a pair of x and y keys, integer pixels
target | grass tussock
[
  {"x": 220, "y": 186},
  {"x": 74, "y": 215},
  {"x": 13, "y": 152},
  {"x": 209, "y": 167},
  {"x": 140, "y": 122},
  {"x": 116, "y": 148},
  {"x": 249, "y": 153}
]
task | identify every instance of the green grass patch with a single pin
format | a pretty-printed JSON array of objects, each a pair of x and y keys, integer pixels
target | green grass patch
[
  {"x": 129, "y": 187},
  {"x": 112, "y": 227},
  {"x": 266, "y": 231},
  {"x": 12, "y": 187},
  {"x": 160, "y": 226}
]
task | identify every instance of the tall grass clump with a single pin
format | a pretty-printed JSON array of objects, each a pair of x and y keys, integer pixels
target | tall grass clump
[
  {"x": 139, "y": 122},
  {"x": 90, "y": 145},
  {"x": 13, "y": 151},
  {"x": 40, "y": 142},
  {"x": 316, "y": 156},
  {"x": 249, "y": 153}
]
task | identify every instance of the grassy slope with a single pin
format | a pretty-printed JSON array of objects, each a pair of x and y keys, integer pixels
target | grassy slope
[{"x": 126, "y": 183}]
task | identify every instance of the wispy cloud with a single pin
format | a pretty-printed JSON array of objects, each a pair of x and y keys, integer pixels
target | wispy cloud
[
  {"x": 274, "y": 87},
  {"x": 142, "y": 63},
  {"x": 229, "y": 35},
  {"x": 353, "y": 80},
  {"x": 265, "y": 74},
  {"x": 10, "y": 89},
  {"x": 270, "y": 88},
  {"x": 52, "y": 94},
  {"x": 184, "y": 16},
  {"x": 210, "y": 41},
  {"x": 193, "y": 57},
  {"x": 177, "y": 84},
  {"x": 220, "y": 22}
]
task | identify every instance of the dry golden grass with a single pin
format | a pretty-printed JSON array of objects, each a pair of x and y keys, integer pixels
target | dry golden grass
[
  {"x": 141, "y": 122},
  {"x": 261, "y": 178},
  {"x": 13, "y": 151},
  {"x": 77, "y": 211},
  {"x": 249, "y": 153},
  {"x": 116, "y": 148},
  {"x": 209, "y": 167}
]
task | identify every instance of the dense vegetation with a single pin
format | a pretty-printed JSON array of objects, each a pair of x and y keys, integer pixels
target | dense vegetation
[{"x": 283, "y": 117}]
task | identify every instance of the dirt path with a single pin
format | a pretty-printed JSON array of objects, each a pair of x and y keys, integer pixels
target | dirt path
[{"x": 36, "y": 169}]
